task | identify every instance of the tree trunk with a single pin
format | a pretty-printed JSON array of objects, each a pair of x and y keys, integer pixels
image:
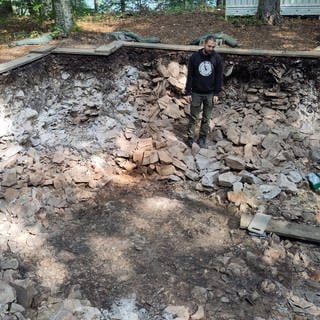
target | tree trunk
[
  {"x": 96, "y": 5},
  {"x": 123, "y": 5},
  {"x": 269, "y": 11},
  {"x": 5, "y": 8},
  {"x": 63, "y": 14}
]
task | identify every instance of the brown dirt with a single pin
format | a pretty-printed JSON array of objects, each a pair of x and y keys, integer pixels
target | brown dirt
[{"x": 180, "y": 28}]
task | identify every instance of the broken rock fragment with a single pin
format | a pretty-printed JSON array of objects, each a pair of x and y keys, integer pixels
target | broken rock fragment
[
  {"x": 58, "y": 157},
  {"x": 164, "y": 157},
  {"x": 240, "y": 197},
  {"x": 269, "y": 192},
  {"x": 150, "y": 157},
  {"x": 7, "y": 293},
  {"x": 9, "y": 178},
  {"x": 178, "y": 312},
  {"x": 227, "y": 179},
  {"x": 210, "y": 179},
  {"x": 285, "y": 184},
  {"x": 234, "y": 162},
  {"x": 165, "y": 170},
  {"x": 25, "y": 292},
  {"x": 80, "y": 174}
]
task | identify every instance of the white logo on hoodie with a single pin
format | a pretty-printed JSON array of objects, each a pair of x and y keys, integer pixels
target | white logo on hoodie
[{"x": 205, "y": 68}]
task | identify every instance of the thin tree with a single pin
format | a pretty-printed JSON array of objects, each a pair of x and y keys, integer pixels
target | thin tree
[
  {"x": 269, "y": 11},
  {"x": 122, "y": 5},
  {"x": 96, "y": 5}
]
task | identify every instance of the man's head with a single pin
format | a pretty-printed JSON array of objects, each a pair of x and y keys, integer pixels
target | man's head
[{"x": 209, "y": 44}]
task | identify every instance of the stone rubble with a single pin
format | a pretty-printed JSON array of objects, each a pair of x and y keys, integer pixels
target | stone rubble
[{"x": 53, "y": 141}]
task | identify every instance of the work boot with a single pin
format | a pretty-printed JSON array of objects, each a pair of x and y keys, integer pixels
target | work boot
[
  {"x": 202, "y": 142},
  {"x": 190, "y": 142}
]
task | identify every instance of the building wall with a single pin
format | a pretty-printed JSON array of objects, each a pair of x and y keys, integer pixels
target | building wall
[{"x": 287, "y": 7}]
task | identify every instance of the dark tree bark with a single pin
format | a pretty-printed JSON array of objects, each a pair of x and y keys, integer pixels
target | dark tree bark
[
  {"x": 219, "y": 3},
  {"x": 5, "y": 8},
  {"x": 269, "y": 11},
  {"x": 96, "y": 5},
  {"x": 63, "y": 14},
  {"x": 122, "y": 5}
]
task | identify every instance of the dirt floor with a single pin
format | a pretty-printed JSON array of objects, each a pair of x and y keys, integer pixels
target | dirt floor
[{"x": 294, "y": 33}]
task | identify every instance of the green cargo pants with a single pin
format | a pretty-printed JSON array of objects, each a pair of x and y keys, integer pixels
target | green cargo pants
[{"x": 197, "y": 100}]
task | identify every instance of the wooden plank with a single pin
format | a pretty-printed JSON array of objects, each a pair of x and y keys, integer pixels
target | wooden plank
[
  {"x": 7, "y": 66},
  {"x": 231, "y": 51},
  {"x": 109, "y": 48},
  {"x": 104, "y": 50},
  {"x": 287, "y": 229},
  {"x": 271, "y": 53},
  {"x": 161, "y": 46},
  {"x": 43, "y": 49},
  {"x": 84, "y": 51}
]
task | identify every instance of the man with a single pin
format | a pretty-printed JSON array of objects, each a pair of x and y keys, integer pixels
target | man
[{"x": 203, "y": 86}]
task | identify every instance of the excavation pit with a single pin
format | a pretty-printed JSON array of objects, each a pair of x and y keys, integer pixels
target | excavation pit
[{"x": 102, "y": 200}]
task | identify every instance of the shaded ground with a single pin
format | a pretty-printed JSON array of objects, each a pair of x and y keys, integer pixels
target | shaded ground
[{"x": 180, "y": 28}]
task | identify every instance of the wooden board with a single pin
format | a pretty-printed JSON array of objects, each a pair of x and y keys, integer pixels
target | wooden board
[
  {"x": 109, "y": 48},
  {"x": 104, "y": 50},
  {"x": 287, "y": 229},
  {"x": 43, "y": 49},
  {"x": 115, "y": 45},
  {"x": 232, "y": 51},
  {"x": 84, "y": 51},
  {"x": 4, "y": 67},
  {"x": 161, "y": 46}
]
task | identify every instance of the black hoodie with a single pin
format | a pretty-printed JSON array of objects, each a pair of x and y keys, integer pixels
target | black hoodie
[{"x": 204, "y": 73}]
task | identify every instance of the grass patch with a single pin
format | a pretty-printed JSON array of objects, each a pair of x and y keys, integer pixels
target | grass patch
[{"x": 245, "y": 21}]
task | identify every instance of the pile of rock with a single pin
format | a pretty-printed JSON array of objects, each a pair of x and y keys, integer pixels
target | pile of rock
[
  {"x": 67, "y": 133},
  {"x": 16, "y": 293},
  {"x": 264, "y": 139},
  {"x": 265, "y": 132}
]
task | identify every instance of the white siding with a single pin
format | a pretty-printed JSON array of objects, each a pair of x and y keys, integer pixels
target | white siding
[{"x": 287, "y": 7}]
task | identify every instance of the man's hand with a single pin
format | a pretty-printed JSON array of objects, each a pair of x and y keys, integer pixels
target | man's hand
[
  {"x": 189, "y": 98},
  {"x": 215, "y": 99}
]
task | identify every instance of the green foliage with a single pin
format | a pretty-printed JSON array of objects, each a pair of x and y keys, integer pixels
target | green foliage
[
  {"x": 34, "y": 34},
  {"x": 38, "y": 9},
  {"x": 80, "y": 8},
  {"x": 76, "y": 28},
  {"x": 19, "y": 35},
  {"x": 245, "y": 21},
  {"x": 56, "y": 31},
  {"x": 141, "y": 6},
  {"x": 5, "y": 8}
]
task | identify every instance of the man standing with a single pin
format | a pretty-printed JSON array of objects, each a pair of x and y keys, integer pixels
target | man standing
[{"x": 203, "y": 86}]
